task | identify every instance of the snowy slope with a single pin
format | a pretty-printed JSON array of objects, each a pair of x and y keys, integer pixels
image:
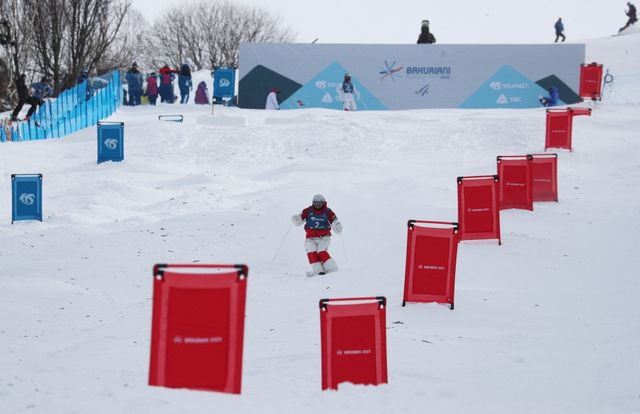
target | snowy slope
[{"x": 547, "y": 322}]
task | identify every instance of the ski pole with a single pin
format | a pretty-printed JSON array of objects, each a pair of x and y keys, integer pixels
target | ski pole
[
  {"x": 363, "y": 103},
  {"x": 346, "y": 258},
  {"x": 282, "y": 243}
]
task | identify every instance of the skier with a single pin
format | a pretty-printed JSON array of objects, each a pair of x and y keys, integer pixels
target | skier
[
  {"x": 134, "y": 80},
  {"x": 202, "y": 94},
  {"x": 319, "y": 220},
  {"x": 152, "y": 88},
  {"x": 272, "y": 99},
  {"x": 184, "y": 83},
  {"x": 559, "y": 29},
  {"x": 632, "y": 16},
  {"x": 426, "y": 37},
  {"x": 347, "y": 90},
  {"x": 552, "y": 99}
]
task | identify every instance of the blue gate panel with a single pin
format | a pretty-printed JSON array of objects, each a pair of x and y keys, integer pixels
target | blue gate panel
[
  {"x": 26, "y": 195},
  {"x": 110, "y": 141},
  {"x": 224, "y": 83}
]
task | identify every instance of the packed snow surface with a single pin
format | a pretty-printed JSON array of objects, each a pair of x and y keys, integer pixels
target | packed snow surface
[{"x": 547, "y": 322}]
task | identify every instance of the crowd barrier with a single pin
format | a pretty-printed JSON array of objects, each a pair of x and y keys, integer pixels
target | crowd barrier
[{"x": 69, "y": 112}]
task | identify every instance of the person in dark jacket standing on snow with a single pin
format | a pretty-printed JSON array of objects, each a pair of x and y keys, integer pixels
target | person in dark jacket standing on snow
[
  {"x": 184, "y": 83},
  {"x": 632, "y": 14},
  {"x": 559, "y": 29},
  {"x": 134, "y": 80},
  {"x": 425, "y": 35}
]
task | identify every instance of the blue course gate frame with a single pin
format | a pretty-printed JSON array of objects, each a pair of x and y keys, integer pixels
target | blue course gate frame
[
  {"x": 224, "y": 83},
  {"x": 26, "y": 195},
  {"x": 110, "y": 141}
]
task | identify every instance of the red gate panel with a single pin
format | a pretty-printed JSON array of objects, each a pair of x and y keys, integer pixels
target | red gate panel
[
  {"x": 478, "y": 212},
  {"x": 516, "y": 187},
  {"x": 545, "y": 177},
  {"x": 591, "y": 81},
  {"x": 430, "y": 271},
  {"x": 198, "y": 326},
  {"x": 354, "y": 341},
  {"x": 559, "y": 126}
]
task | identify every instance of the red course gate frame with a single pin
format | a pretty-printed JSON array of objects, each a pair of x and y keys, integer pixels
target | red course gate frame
[
  {"x": 560, "y": 125},
  {"x": 478, "y": 207},
  {"x": 197, "y": 330},
  {"x": 591, "y": 81},
  {"x": 430, "y": 270},
  {"x": 353, "y": 341},
  {"x": 516, "y": 185},
  {"x": 545, "y": 177}
]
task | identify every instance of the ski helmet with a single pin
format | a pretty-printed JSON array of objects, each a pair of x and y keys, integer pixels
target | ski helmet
[
  {"x": 318, "y": 201},
  {"x": 347, "y": 76}
]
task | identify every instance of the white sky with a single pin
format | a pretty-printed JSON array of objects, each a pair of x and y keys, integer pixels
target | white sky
[{"x": 468, "y": 21}]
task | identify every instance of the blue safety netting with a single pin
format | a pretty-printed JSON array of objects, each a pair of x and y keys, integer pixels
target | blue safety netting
[{"x": 71, "y": 111}]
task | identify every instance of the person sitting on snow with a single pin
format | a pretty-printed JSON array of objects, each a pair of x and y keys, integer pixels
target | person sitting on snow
[
  {"x": 319, "y": 220},
  {"x": 202, "y": 94},
  {"x": 347, "y": 91},
  {"x": 552, "y": 99}
]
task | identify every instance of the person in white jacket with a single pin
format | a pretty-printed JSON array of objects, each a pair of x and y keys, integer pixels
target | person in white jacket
[
  {"x": 272, "y": 99},
  {"x": 348, "y": 92}
]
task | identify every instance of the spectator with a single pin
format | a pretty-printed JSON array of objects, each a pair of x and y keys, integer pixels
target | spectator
[
  {"x": 134, "y": 80},
  {"x": 184, "y": 83},
  {"x": 425, "y": 35},
  {"x": 167, "y": 75},
  {"x": 152, "y": 88},
  {"x": 559, "y": 29},
  {"x": 202, "y": 94},
  {"x": 84, "y": 77},
  {"x": 272, "y": 100}
]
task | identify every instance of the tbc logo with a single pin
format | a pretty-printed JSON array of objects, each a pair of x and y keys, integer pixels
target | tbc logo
[
  {"x": 111, "y": 143},
  {"x": 223, "y": 83},
  {"x": 27, "y": 199}
]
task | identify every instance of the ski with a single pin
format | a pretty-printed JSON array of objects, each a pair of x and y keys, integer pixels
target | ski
[{"x": 311, "y": 274}]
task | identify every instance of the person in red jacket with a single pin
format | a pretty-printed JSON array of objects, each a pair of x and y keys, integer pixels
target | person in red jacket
[
  {"x": 167, "y": 75},
  {"x": 319, "y": 221},
  {"x": 152, "y": 88}
]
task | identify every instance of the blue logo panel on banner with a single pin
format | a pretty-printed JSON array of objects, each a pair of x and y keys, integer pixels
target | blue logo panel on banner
[
  {"x": 507, "y": 88},
  {"x": 26, "y": 192},
  {"x": 110, "y": 141},
  {"x": 323, "y": 91},
  {"x": 224, "y": 83}
]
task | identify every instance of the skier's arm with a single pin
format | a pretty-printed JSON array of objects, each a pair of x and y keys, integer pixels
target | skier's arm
[
  {"x": 298, "y": 219},
  {"x": 335, "y": 223}
]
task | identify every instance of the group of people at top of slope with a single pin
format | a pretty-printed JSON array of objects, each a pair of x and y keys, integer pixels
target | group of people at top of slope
[{"x": 161, "y": 84}]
